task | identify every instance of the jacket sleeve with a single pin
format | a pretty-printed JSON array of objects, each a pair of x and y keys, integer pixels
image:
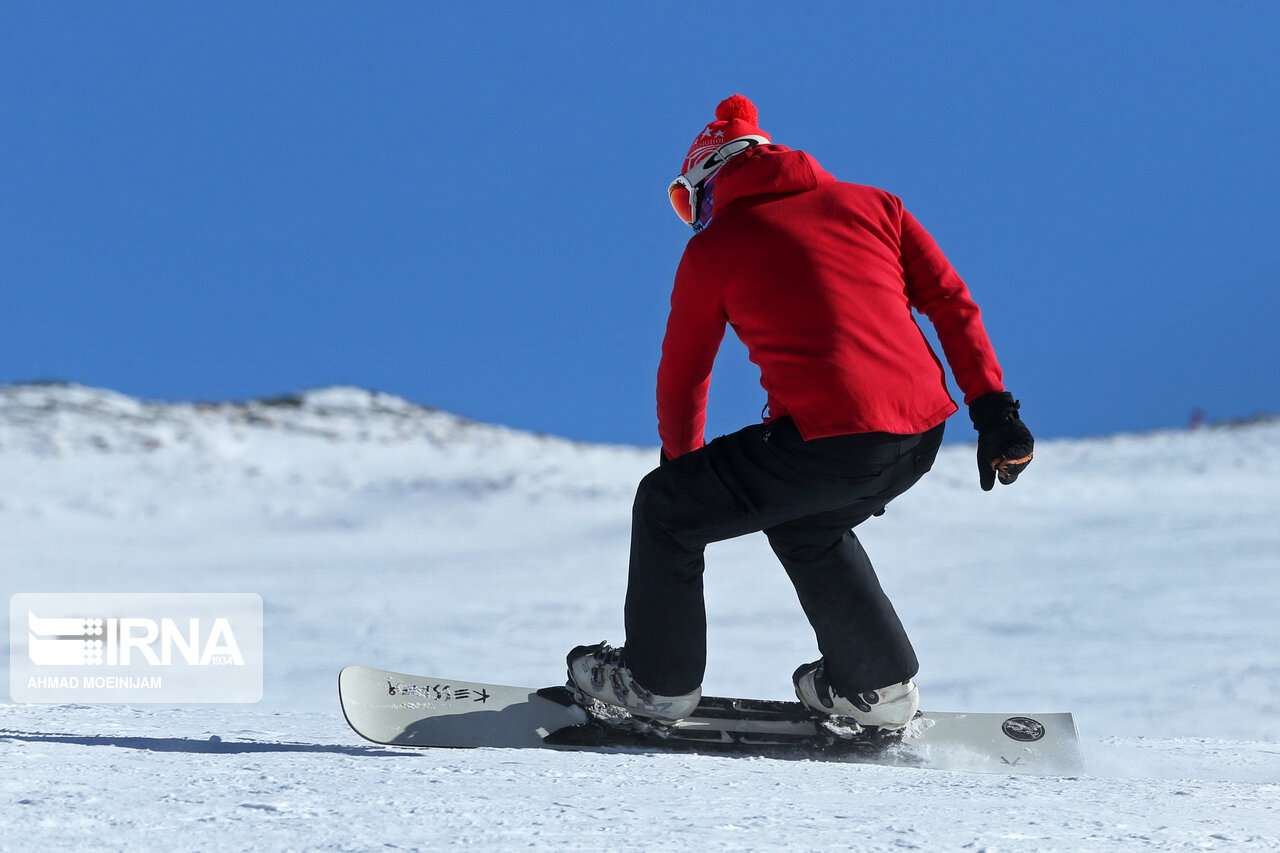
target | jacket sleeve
[
  {"x": 695, "y": 328},
  {"x": 936, "y": 291}
]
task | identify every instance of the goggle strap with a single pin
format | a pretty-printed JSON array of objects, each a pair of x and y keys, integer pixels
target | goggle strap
[{"x": 713, "y": 161}]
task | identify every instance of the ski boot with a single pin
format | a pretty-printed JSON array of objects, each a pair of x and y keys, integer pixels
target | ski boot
[
  {"x": 887, "y": 709},
  {"x": 600, "y": 673}
]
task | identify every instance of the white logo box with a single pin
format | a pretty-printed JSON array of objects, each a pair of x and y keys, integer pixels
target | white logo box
[{"x": 135, "y": 647}]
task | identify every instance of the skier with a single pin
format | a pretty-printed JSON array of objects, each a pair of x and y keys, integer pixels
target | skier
[{"x": 818, "y": 278}]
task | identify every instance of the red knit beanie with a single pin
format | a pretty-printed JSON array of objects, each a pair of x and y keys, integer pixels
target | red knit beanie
[{"x": 736, "y": 116}]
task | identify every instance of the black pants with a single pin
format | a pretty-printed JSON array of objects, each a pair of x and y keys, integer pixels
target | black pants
[{"x": 806, "y": 496}]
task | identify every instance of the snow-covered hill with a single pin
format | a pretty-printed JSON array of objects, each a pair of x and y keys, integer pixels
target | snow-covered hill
[{"x": 1133, "y": 580}]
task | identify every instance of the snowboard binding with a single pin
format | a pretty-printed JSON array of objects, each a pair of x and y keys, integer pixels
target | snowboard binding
[
  {"x": 615, "y": 717},
  {"x": 848, "y": 729}
]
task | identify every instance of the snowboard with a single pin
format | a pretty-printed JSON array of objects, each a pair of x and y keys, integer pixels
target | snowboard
[{"x": 397, "y": 709}]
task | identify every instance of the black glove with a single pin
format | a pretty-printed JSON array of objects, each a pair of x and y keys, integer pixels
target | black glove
[{"x": 1004, "y": 442}]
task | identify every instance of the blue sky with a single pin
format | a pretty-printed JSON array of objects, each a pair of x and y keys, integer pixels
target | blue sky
[{"x": 464, "y": 204}]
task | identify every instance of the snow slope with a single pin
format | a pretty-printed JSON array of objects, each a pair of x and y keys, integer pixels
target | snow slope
[{"x": 1132, "y": 580}]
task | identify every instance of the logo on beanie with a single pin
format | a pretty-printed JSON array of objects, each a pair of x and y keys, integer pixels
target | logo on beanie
[{"x": 697, "y": 155}]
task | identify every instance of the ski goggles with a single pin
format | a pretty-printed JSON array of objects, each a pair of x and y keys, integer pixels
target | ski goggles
[{"x": 690, "y": 193}]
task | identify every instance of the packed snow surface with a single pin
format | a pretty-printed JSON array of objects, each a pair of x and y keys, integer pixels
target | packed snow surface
[{"x": 1132, "y": 580}]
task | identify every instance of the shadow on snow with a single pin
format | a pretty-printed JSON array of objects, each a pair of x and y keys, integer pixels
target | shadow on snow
[{"x": 196, "y": 745}]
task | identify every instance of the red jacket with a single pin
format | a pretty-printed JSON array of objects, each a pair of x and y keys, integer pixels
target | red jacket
[{"x": 818, "y": 278}]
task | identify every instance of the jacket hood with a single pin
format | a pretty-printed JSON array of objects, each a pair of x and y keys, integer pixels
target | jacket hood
[{"x": 767, "y": 170}]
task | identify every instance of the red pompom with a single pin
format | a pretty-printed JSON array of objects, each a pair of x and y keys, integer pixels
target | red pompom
[{"x": 736, "y": 106}]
